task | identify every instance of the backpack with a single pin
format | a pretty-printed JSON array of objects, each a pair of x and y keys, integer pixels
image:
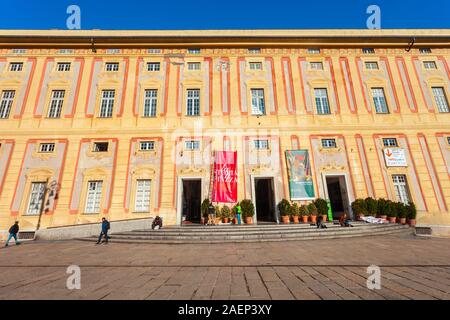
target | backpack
[{"x": 108, "y": 226}]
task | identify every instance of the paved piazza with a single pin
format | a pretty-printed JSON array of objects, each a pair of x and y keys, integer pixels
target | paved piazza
[{"x": 411, "y": 267}]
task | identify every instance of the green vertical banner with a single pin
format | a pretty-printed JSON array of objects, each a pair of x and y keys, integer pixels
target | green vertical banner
[{"x": 301, "y": 186}]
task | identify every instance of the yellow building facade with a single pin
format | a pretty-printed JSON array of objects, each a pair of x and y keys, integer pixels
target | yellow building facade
[{"x": 124, "y": 124}]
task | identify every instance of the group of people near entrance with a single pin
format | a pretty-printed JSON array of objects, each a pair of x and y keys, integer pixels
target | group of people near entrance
[{"x": 212, "y": 214}]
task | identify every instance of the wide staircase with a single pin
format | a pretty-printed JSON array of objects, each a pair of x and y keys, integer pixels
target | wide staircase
[{"x": 253, "y": 233}]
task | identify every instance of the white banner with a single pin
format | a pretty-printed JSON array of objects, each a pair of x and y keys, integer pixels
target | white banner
[{"x": 395, "y": 157}]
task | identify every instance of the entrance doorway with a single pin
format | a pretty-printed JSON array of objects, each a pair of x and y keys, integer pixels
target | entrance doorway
[
  {"x": 338, "y": 195},
  {"x": 265, "y": 200},
  {"x": 191, "y": 200}
]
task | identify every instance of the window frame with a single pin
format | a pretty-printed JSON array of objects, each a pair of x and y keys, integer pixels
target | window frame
[
  {"x": 15, "y": 67},
  {"x": 261, "y": 144},
  {"x": 324, "y": 101},
  {"x": 378, "y": 100},
  {"x": 56, "y": 104},
  {"x": 328, "y": 143},
  {"x": 398, "y": 185},
  {"x": 40, "y": 195},
  {"x": 97, "y": 197},
  {"x": 193, "y": 102},
  {"x": 258, "y": 101},
  {"x": 145, "y": 196},
  {"x": 368, "y": 50},
  {"x": 441, "y": 100},
  {"x": 106, "y": 109},
  {"x": 430, "y": 65},
  {"x": 252, "y": 64},
  {"x": 147, "y": 143},
  {"x": 63, "y": 66},
  {"x": 6, "y": 103},
  {"x": 373, "y": 65},
  {"x": 96, "y": 144},
  {"x": 112, "y": 66},
  {"x": 313, "y": 65},
  {"x": 156, "y": 69},
  {"x": 387, "y": 142},
  {"x": 192, "y": 145},
  {"x": 47, "y": 147},
  {"x": 150, "y": 106}
]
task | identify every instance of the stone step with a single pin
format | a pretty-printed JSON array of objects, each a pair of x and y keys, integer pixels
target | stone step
[
  {"x": 254, "y": 231},
  {"x": 312, "y": 236},
  {"x": 329, "y": 233}
]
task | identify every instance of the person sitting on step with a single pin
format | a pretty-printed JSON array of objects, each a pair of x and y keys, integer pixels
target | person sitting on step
[
  {"x": 344, "y": 221},
  {"x": 157, "y": 223},
  {"x": 319, "y": 223}
]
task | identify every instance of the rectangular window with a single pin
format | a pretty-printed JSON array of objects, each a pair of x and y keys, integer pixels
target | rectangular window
[
  {"x": 401, "y": 188},
  {"x": 16, "y": 66},
  {"x": 56, "y": 104},
  {"x": 368, "y": 50},
  {"x": 255, "y": 65},
  {"x": 429, "y": 65},
  {"x": 146, "y": 145},
  {"x": 194, "y": 66},
  {"x": 142, "y": 199},
  {"x": 371, "y": 65},
  {"x": 425, "y": 50},
  {"x": 150, "y": 102},
  {"x": 112, "y": 66},
  {"x": 441, "y": 99},
  {"x": 46, "y": 147},
  {"x": 65, "y": 51},
  {"x": 448, "y": 140},
  {"x": 192, "y": 144},
  {"x": 258, "y": 103},
  {"x": 316, "y": 65},
  {"x": 63, "y": 66},
  {"x": 313, "y": 50},
  {"x": 94, "y": 196},
  {"x": 100, "y": 147},
  {"x": 6, "y": 103},
  {"x": 379, "y": 100},
  {"x": 153, "y": 66},
  {"x": 107, "y": 103},
  {"x": 390, "y": 142},
  {"x": 154, "y": 51},
  {"x": 37, "y": 193},
  {"x": 193, "y": 51},
  {"x": 254, "y": 50},
  {"x": 261, "y": 144},
  {"x": 193, "y": 102},
  {"x": 113, "y": 51},
  {"x": 329, "y": 143},
  {"x": 19, "y": 51},
  {"x": 322, "y": 104}
]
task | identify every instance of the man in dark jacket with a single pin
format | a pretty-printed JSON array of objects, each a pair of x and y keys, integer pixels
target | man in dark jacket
[
  {"x": 105, "y": 228},
  {"x": 13, "y": 231}
]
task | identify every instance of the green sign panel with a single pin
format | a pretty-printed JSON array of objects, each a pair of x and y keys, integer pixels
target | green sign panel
[{"x": 301, "y": 186}]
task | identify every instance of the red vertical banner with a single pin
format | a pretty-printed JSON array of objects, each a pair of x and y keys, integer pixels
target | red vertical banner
[{"x": 225, "y": 177}]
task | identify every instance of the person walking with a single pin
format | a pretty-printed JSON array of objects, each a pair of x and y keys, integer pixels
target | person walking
[
  {"x": 238, "y": 213},
  {"x": 13, "y": 231},
  {"x": 104, "y": 232}
]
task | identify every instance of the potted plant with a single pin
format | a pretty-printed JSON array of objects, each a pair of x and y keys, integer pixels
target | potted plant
[
  {"x": 218, "y": 213},
  {"x": 225, "y": 212},
  {"x": 304, "y": 213},
  {"x": 248, "y": 210},
  {"x": 359, "y": 208},
  {"x": 233, "y": 214},
  {"x": 391, "y": 211},
  {"x": 284, "y": 207},
  {"x": 371, "y": 206},
  {"x": 312, "y": 209},
  {"x": 382, "y": 208},
  {"x": 204, "y": 209},
  {"x": 322, "y": 208},
  {"x": 295, "y": 212},
  {"x": 402, "y": 212},
  {"x": 412, "y": 212}
]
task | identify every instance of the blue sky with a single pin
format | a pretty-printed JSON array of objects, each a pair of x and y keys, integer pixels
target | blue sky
[{"x": 229, "y": 14}]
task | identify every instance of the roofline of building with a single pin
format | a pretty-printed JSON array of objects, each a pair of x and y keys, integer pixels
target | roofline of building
[{"x": 260, "y": 37}]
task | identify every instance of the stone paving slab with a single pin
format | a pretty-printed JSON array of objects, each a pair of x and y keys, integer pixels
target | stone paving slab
[{"x": 414, "y": 268}]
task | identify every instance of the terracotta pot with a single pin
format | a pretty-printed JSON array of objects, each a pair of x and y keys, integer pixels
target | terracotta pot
[
  {"x": 403, "y": 220},
  {"x": 235, "y": 221},
  {"x": 392, "y": 219},
  {"x": 412, "y": 222},
  {"x": 295, "y": 218},
  {"x": 285, "y": 219},
  {"x": 202, "y": 220},
  {"x": 383, "y": 217},
  {"x": 305, "y": 219},
  {"x": 248, "y": 220},
  {"x": 324, "y": 218},
  {"x": 313, "y": 219},
  {"x": 225, "y": 220}
]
